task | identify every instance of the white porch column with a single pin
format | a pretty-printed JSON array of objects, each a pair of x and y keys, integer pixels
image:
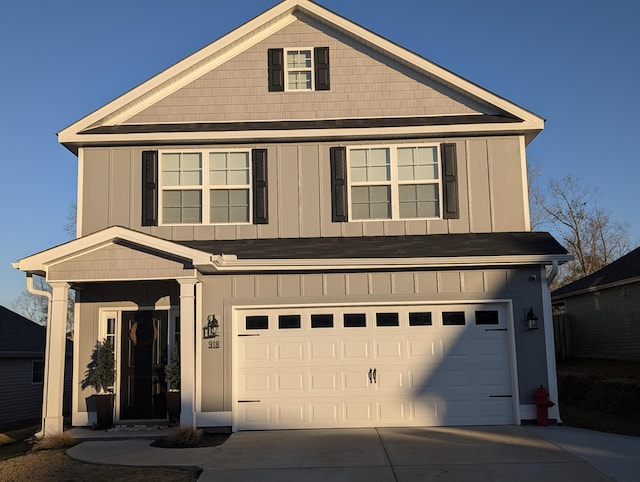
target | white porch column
[
  {"x": 188, "y": 303},
  {"x": 53, "y": 390}
]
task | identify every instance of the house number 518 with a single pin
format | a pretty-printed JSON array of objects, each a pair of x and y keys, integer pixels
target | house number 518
[{"x": 214, "y": 344}]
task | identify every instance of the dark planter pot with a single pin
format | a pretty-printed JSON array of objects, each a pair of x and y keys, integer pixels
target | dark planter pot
[
  {"x": 173, "y": 406},
  {"x": 103, "y": 404}
]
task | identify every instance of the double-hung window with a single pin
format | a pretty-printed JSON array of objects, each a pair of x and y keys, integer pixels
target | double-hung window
[
  {"x": 394, "y": 182},
  {"x": 205, "y": 187},
  {"x": 299, "y": 69}
]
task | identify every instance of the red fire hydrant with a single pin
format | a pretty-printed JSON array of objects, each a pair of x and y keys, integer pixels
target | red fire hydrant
[{"x": 543, "y": 403}]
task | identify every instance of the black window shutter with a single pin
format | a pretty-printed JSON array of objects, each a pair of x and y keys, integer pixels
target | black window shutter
[
  {"x": 339, "y": 198},
  {"x": 321, "y": 57},
  {"x": 149, "y": 188},
  {"x": 450, "y": 207},
  {"x": 260, "y": 194},
  {"x": 276, "y": 70}
]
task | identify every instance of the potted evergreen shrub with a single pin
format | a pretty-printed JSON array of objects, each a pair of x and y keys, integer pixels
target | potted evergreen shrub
[
  {"x": 101, "y": 376},
  {"x": 172, "y": 377}
]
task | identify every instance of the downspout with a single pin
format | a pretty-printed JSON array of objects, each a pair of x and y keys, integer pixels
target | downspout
[
  {"x": 34, "y": 291},
  {"x": 551, "y": 275}
]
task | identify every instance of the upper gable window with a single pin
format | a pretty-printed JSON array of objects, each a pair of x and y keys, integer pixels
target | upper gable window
[
  {"x": 205, "y": 187},
  {"x": 298, "y": 69},
  {"x": 394, "y": 182}
]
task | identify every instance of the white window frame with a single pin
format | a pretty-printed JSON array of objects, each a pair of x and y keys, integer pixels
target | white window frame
[
  {"x": 113, "y": 335},
  {"x": 287, "y": 70},
  {"x": 205, "y": 187},
  {"x": 394, "y": 181}
]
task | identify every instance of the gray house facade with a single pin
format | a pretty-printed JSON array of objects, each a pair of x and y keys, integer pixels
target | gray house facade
[
  {"x": 22, "y": 363},
  {"x": 600, "y": 313},
  {"x": 333, "y": 230}
]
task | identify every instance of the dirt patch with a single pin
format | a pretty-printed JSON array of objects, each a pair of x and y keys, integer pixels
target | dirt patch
[
  {"x": 55, "y": 465},
  {"x": 205, "y": 439},
  {"x": 601, "y": 395},
  {"x": 22, "y": 459}
]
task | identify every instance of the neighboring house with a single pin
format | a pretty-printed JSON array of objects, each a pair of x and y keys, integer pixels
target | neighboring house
[
  {"x": 22, "y": 354},
  {"x": 599, "y": 315},
  {"x": 334, "y": 229}
]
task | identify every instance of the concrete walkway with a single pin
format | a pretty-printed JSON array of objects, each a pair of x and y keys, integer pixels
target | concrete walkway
[{"x": 393, "y": 454}]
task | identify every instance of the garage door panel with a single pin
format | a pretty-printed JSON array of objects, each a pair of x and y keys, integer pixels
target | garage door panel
[
  {"x": 323, "y": 413},
  {"x": 291, "y": 351},
  {"x": 427, "y": 374},
  {"x": 358, "y": 412},
  {"x": 391, "y": 412},
  {"x": 323, "y": 351},
  {"x": 324, "y": 382},
  {"x": 356, "y": 350},
  {"x": 255, "y": 352},
  {"x": 256, "y": 383},
  {"x": 291, "y": 382},
  {"x": 291, "y": 414},
  {"x": 355, "y": 380},
  {"x": 388, "y": 350},
  {"x": 423, "y": 350}
]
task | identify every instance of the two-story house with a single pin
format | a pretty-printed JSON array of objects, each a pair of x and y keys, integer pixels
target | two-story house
[{"x": 333, "y": 229}]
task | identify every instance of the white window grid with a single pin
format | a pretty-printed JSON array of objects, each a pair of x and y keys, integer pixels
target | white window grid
[
  {"x": 298, "y": 69},
  {"x": 394, "y": 180},
  {"x": 204, "y": 180}
]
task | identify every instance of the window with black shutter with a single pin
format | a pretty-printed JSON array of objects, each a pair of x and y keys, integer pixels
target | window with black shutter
[
  {"x": 339, "y": 197},
  {"x": 150, "y": 188},
  {"x": 450, "y": 208},
  {"x": 298, "y": 69}
]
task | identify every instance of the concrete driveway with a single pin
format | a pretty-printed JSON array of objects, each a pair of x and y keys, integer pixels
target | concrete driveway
[
  {"x": 398, "y": 454},
  {"x": 469, "y": 454}
]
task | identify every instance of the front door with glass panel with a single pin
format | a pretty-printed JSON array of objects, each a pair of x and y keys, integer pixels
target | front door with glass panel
[{"x": 144, "y": 353}]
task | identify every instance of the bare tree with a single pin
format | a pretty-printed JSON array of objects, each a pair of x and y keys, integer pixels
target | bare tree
[
  {"x": 32, "y": 306},
  {"x": 71, "y": 220},
  {"x": 586, "y": 230},
  {"x": 36, "y": 307}
]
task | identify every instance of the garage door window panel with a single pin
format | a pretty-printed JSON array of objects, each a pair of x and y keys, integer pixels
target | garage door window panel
[
  {"x": 487, "y": 317},
  {"x": 288, "y": 322},
  {"x": 387, "y": 319},
  {"x": 257, "y": 322},
  {"x": 354, "y": 320},
  {"x": 420, "y": 319},
  {"x": 322, "y": 321},
  {"x": 453, "y": 318}
]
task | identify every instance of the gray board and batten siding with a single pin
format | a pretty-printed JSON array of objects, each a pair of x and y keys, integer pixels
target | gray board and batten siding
[{"x": 490, "y": 189}]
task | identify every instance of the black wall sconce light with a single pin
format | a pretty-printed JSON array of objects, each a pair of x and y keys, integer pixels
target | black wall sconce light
[
  {"x": 212, "y": 328},
  {"x": 532, "y": 320}
]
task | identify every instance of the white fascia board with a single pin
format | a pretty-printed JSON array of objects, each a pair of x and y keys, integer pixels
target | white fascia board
[
  {"x": 184, "y": 71},
  {"x": 231, "y": 263},
  {"x": 296, "y": 134},
  {"x": 40, "y": 262},
  {"x": 595, "y": 289}
]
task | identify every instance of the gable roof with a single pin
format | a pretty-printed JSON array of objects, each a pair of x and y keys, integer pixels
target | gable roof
[
  {"x": 106, "y": 124},
  {"x": 622, "y": 271},
  {"x": 20, "y": 336},
  {"x": 40, "y": 263}
]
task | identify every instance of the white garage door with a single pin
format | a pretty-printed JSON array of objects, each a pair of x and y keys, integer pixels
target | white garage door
[{"x": 375, "y": 366}]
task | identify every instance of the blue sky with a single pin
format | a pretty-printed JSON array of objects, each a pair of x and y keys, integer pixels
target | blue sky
[{"x": 574, "y": 63}]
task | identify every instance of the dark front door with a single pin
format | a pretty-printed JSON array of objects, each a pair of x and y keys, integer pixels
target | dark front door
[{"x": 144, "y": 353}]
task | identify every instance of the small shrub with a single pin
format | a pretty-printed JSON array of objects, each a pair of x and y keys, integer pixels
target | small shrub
[
  {"x": 57, "y": 441},
  {"x": 184, "y": 437}
]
